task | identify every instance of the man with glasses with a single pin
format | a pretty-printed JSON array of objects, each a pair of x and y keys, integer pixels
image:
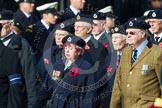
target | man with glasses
[
  {"x": 94, "y": 51},
  {"x": 137, "y": 81},
  {"x": 155, "y": 21}
]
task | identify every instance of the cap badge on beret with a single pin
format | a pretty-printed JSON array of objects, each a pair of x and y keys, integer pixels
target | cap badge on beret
[
  {"x": 16, "y": 0},
  {"x": 131, "y": 23},
  {"x": 95, "y": 16},
  {"x": 78, "y": 17},
  {"x": 62, "y": 25},
  {"x": 116, "y": 29},
  {"x": 153, "y": 14},
  {"x": 0, "y": 16},
  {"x": 69, "y": 39}
]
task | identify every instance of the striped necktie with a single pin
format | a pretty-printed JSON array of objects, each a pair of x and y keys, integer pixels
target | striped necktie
[{"x": 134, "y": 56}]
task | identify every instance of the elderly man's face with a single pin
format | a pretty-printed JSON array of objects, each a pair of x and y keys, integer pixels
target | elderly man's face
[
  {"x": 119, "y": 41},
  {"x": 27, "y": 7},
  {"x": 156, "y": 25},
  {"x": 98, "y": 27},
  {"x": 135, "y": 37},
  {"x": 78, "y": 4},
  {"x": 5, "y": 28},
  {"x": 59, "y": 35},
  {"x": 82, "y": 29}
]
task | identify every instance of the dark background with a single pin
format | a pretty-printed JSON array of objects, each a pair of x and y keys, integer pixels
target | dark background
[{"x": 124, "y": 9}]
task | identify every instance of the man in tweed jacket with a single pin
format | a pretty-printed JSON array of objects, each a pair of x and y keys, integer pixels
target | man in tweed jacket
[{"x": 137, "y": 81}]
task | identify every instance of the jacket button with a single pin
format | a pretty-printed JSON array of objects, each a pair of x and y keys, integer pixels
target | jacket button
[
  {"x": 130, "y": 72},
  {"x": 128, "y": 85}
]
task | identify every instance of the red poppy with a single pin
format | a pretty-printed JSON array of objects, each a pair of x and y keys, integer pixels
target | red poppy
[
  {"x": 106, "y": 45},
  {"x": 109, "y": 69},
  {"x": 46, "y": 61},
  {"x": 160, "y": 44},
  {"x": 87, "y": 47},
  {"x": 73, "y": 72}
]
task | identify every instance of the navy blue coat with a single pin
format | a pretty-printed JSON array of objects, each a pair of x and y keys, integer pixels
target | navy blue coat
[
  {"x": 63, "y": 96},
  {"x": 10, "y": 79}
]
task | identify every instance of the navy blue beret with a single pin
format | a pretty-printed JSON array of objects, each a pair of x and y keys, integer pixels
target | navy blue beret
[
  {"x": 155, "y": 14},
  {"x": 118, "y": 29},
  {"x": 136, "y": 23},
  {"x": 83, "y": 18},
  {"x": 66, "y": 27},
  {"x": 72, "y": 39},
  {"x": 98, "y": 16},
  {"x": 6, "y": 15}
]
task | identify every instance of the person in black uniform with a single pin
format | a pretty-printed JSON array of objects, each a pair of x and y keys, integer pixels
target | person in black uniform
[
  {"x": 95, "y": 52},
  {"x": 75, "y": 8},
  {"x": 24, "y": 16},
  {"x": 10, "y": 79},
  {"x": 111, "y": 65},
  {"x": 154, "y": 20},
  {"x": 21, "y": 46},
  {"x": 75, "y": 72},
  {"x": 42, "y": 28}
]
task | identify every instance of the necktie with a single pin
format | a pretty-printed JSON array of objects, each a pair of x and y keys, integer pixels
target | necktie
[
  {"x": 134, "y": 56},
  {"x": 118, "y": 61},
  {"x": 156, "y": 39}
]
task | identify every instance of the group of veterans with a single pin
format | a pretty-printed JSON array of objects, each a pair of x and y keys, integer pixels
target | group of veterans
[{"x": 72, "y": 59}]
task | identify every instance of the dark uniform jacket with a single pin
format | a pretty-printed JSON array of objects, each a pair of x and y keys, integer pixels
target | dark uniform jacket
[
  {"x": 159, "y": 43},
  {"x": 23, "y": 22},
  {"x": 10, "y": 79},
  {"x": 21, "y": 46},
  {"x": 38, "y": 38},
  {"x": 65, "y": 97}
]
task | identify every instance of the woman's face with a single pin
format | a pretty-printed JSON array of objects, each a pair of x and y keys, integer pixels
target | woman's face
[{"x": 71, "y": 51}]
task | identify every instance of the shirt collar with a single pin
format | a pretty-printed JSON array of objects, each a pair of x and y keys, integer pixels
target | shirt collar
[
  {"x": 26, "y": 14},
  {"x": 87, "y": 39},
  {"x": 97, "y": 37},
  {"x": 160, "y": 36},
  {"x": 75, "y": 11},
  {"x": 6, "y": 42},
  {"x": 141, "y": 47},
  {"x": 45, "y": 24}
]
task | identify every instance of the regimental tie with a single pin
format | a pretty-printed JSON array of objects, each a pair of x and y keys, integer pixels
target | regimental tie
[
  {"x": 157, "y": 40},
  {"x": 134, "y": 56}
]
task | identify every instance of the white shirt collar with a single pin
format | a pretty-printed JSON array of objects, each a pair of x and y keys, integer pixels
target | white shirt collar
[
  {"x": 97, "y": 37},
  {"x": 7, "y": 42},
  {"x": 45, "y": 24},
  {"x": 160, "y": 35},
  {"x": 141, "y": 47},
  {"x": 75, "y": 11},
  {"x": 26, "y": 14},
  {"x": 87, "y": 39}
]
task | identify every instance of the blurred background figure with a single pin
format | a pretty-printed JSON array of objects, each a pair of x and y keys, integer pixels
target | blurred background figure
[
  {"x": 155, "y": 21},
  {"x": 27, "y": 61},
  {"x": 24, "y": 16}
]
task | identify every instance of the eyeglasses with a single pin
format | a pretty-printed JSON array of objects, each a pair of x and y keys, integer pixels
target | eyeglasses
[{"x": 132, "y": 33}]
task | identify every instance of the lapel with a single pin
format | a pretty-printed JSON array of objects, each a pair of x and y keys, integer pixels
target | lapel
[
  {"x": 1, "y": 48},
  {"x": 129, "y": 56},
  {"x": 144, "y": 53}
]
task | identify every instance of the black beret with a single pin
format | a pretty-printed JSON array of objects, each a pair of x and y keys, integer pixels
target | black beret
[
  {"x": 136, "y": 23},
  {"x": 6, "y": 15},
  {"x": 66, "y": 27},
  {"x": 29, "y": 1},
  {"x": 98, "y": 16},
  {"x": 83, "y": 18},
  {"x": 155, "y": 14},
  {"x": 72, "y": 39},
  {"x": 118, "y": 29}
]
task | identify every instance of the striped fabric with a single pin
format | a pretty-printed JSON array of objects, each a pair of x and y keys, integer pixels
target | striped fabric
[{"x": 15, "y": 79}]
